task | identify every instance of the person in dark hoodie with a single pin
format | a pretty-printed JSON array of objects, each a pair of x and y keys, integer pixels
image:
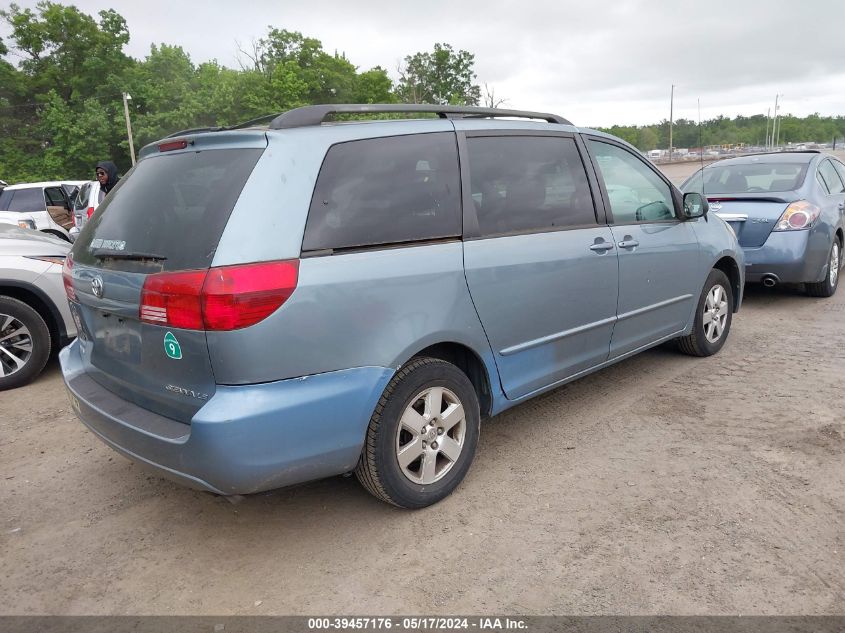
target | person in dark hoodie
[{"x": 107, "y": 177}]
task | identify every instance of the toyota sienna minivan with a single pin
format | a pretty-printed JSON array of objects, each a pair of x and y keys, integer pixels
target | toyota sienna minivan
[{"x": 267, "y": 305}]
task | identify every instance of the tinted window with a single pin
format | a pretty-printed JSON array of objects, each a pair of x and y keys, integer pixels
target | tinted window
[
  {"x": 635, "y": 191},
  {"x": 31, "y": 199},
  {"x": 54, "y": 197},
  {"x": 386, "y": 190},
  {"x": 830, "y": 177},
  {"x": 173, "y": 205},
  {"x": 81, "y": 202},
  {"x": 749, "y": 178},
  {"x": 840, "y": 169},
  {"x": 528, "y": 183}
]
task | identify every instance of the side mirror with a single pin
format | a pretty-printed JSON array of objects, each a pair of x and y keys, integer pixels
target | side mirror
[{"x": 695, "y": 205}]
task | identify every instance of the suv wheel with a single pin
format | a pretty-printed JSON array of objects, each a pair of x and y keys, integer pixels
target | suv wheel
[
  {"x": 24, "y": 343},
  {"x": 712, "y": 317},
  {"x": 827, "y": 287},
  {"x": 422, "y": 437}
]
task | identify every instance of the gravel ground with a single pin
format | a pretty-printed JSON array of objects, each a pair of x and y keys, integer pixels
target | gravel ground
[{"x": 664, "y": 484}]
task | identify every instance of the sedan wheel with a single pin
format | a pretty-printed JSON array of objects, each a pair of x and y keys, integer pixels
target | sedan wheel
[{"x": 827, "y": 286}]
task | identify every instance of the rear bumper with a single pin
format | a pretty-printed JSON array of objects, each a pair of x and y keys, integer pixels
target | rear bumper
[
  {"x": 791, "y": 256},
  {"x": 246, "y": 438}
]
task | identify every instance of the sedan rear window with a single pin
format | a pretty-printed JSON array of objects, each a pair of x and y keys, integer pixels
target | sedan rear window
[
  {"x": 172, "y": 206},
  {"x": 749, "y": 178}
]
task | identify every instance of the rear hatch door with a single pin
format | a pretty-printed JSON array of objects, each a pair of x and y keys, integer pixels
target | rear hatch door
[{"x": 166, "y": 215}]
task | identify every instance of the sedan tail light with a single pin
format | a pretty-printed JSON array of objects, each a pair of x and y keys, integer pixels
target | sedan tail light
[
  {"x": 798, "y": 215},
  {"x": 221, "y": 299}
]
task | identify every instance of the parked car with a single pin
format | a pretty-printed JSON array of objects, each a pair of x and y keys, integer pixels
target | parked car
[
  {"x": 251, "y": 320},
  {"x": 788, "y": 211},
  {"x": 47, "y": 203},
  {"x": 72, "y": 187},
  {"x": 34, "y": 314},
  {"x": 85, "y": 203}
]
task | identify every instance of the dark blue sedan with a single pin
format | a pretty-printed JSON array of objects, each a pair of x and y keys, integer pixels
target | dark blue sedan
[{"x": 787, "y": 210}]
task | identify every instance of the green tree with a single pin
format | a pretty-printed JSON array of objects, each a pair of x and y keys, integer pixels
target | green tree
[{"x": 442, "y": 77}]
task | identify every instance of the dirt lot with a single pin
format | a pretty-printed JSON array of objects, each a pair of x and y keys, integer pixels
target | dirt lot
[{"x": 664, "y": 484}]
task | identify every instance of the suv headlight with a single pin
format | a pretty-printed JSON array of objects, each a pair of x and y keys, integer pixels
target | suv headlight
[{"x": 798, "y": 215}]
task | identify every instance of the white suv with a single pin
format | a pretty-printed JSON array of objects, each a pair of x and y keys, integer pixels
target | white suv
[{"x": 46, "y": 204}]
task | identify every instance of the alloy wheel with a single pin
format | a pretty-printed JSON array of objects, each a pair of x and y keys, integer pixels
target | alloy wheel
[
  {"x": 430, "y": 436},
  {"x": 15, "y": 345},
  {"x": 834, "y": 264},
  {"x": 715, "y": 313}
]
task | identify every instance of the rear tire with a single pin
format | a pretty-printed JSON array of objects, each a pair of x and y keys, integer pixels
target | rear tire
[
  {"x": 422, "y": 436},
  {"x": 713, "y": 316},
  {"x": 24, "y": 343},
  {"x": 827, "y": 287}
]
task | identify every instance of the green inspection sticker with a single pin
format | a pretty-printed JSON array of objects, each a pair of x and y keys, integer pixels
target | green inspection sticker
[{"x": 172, "y": 347}]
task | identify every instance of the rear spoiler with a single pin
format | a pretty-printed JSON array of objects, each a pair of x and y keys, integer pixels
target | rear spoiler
[{"x": 753, "y": 197}]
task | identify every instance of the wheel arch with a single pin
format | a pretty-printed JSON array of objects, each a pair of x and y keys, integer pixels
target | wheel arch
[
  {"x": 38, "y": 301},
  {"x": 729, "y": 266},
  {"x": 468, "y": 361}
]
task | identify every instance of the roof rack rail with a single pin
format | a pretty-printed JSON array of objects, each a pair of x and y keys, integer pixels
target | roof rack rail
[{"x": 317, "y": 114}]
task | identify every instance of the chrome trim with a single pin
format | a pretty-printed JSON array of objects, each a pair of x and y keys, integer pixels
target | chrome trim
[
  {"x": 656, "y": 306},
  {"x": 521, "y": 347},
  {"x": 733, "y": 217}
]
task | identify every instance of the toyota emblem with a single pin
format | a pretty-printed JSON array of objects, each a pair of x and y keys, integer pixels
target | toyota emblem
[{"x": 97, "y": 286}]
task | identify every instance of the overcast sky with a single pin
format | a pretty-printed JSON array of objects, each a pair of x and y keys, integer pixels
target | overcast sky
[{"x": 596, "y": 63}]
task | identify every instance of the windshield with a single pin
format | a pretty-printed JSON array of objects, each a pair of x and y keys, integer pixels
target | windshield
[
  {"x": 174, "y": 206},
  {"x": 748, "y": 178}
]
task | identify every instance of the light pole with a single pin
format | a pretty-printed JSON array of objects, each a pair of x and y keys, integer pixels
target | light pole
[
  {"x": 126, "y": 98},
  {"x": 775, "y": 123},
  {"x": 768, "y": 114},
  {"x": 671, "y": 113}
]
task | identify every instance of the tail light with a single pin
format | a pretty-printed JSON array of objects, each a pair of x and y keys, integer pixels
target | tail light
[
  {"x": 798, "y": 215},
  {"x": 67, "y": 277},
  {"x": 222, "y": 298},
  {"x": 90, "y": 212}
]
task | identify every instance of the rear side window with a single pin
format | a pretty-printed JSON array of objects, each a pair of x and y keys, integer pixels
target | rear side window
[
  {"x": 173, "y": 206},
  {"x": 31, "y": 199},
  {"x": 386, "y": 191},
  {"x": 528, "y": 183},
  {"x": 55, "y": 196},
  {"x": 81, "y": 202},
  {"x": 831, "y": 178}
]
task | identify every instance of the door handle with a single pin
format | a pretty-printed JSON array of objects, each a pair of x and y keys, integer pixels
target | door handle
[
  {"x": 601, "y": 247},
  {"x": 628, "y": 243}
]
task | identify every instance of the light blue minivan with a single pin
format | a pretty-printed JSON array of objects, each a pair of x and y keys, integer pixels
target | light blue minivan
[{"x": 267, "y": 305}]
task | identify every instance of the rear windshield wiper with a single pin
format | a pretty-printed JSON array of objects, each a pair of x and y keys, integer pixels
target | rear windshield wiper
[{"x": 104, "y": 253}]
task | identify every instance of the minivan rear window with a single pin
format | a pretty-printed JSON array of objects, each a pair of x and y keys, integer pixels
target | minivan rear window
[{"x": 172, "y": 206}]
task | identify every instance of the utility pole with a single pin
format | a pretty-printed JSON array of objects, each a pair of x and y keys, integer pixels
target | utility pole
[
  {"x": 671, "y": 117},
  {"x": 775, "y": 123},
  {"x": 768, "y": 114},
  {"x": 126, "y": 98},
  {"x": 777, "y": 140}
]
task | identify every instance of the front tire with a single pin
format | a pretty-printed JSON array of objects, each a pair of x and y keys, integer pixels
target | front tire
[
  {"x": 24, "y": 343},
  {"x": 422, "y": 437},
  {"x": 827, "y": 287},
  {"x": 713, "y": 317}
]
